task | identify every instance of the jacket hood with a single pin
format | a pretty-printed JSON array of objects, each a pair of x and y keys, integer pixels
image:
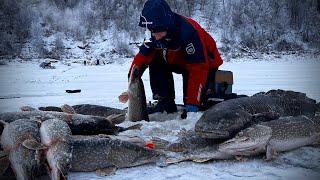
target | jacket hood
[{"x": 157, "y": 15}]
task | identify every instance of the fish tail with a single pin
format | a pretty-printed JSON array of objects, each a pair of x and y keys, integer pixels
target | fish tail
[
  {"x": 114, "y": 118},
  {"x": 3, "y": 123},
  {"x": 136, "y": 126},
  {"x": 162, "y": 161},
  {"x": 318, "y": 107}
]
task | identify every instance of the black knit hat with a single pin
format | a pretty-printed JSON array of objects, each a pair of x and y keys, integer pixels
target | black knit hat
[{"x": 157, "y": 16}]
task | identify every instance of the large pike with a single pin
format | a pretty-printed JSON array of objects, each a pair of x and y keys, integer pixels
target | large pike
[
  {"x": 56, "y": 136},
  {"x": 91, "y": 153},
  {"x": 94, "y": 110},
  {"x": 24, "y": 162},
  {"x": 279, "y": 135},
  {"x": 229, "y": 117},
  {"x": 79, "y": 124},
  {"x": 137, "y": 108}
]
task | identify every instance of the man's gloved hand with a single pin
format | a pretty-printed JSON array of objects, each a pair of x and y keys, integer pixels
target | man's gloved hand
[
  {"x": 147, "y": 46},
  {"x": 153, "y": 43},
  {"x": 191, "y": 108},
  {"x": 150, "y": 43}
]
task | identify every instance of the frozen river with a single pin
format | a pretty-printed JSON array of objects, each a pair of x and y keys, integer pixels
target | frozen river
[{"x": 26, "y": 84}]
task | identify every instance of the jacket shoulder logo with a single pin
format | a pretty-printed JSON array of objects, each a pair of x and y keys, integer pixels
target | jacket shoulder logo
[{"x": 190, "y": 49}]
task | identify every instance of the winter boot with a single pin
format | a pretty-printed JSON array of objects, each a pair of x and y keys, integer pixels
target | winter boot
[{"x": 162, "y": 105}]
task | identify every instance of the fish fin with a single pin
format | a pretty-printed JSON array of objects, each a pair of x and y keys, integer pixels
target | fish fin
[
  {"x": 177, "y": 147},
  {"x": 134, "y": 140},
  {"x": 33, "y": 144},
  {"x": 133, "y": 127},
  {"x": 104, "y": 136},
  {"x": 160, "y": 143},
  {"x": 4, "y": 154},
  {"x": 124, "y": 97},
  {"x": 318, "y": 106},
  {"x": 3, "y": 124},
  {"x": 62, "y": 174},
  {"x": 106, "y": 171},
  {"x": 317, "y": 141},
  {"x": 270, "y": 153},
  {"x": 68, "y": 109},
  {"x": 265, "y": 116},
  {"x": 241, "y": 158},
  {"x": 162, "y": 161},
  {"x": 201, "y": 160},
  {"x": 4, "y": 164},
  {"x": 114, "y": 118},
  {"x": 175, "y": 160}
]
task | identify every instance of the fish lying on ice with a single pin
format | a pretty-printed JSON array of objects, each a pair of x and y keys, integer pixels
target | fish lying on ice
[
  {"x": 92, "y": 153},
  {"x": 227, "y": 118},
  {"x": 117, "y": 116},
  {"x": 284, "y": 134},
  {"x": 56, "y": 136},
  {"x": 24, "y": 162},
  {"x": 79, "y": 124}
]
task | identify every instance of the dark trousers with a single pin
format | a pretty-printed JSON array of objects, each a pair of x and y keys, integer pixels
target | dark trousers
[{"x": 161, "y": 78}]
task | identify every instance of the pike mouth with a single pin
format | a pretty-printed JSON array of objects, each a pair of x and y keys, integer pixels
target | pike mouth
[
  {"x": 241, "y": 148},
  {"x": 216, "y": 134}
]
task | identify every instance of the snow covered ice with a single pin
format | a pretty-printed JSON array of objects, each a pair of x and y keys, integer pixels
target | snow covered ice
[{"x": 26, "y": 84}]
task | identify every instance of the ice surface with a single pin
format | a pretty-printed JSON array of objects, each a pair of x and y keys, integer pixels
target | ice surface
[{"x": 24, "y": 84}]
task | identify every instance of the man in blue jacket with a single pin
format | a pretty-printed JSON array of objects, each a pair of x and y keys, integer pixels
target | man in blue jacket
[{"x": 178, "y": 44}]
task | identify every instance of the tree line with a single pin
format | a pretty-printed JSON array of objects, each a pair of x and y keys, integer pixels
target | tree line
[{"x": 249, "y": 25}]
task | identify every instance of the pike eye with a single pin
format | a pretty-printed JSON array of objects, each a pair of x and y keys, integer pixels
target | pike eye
[{"x": 240, "y": 134}]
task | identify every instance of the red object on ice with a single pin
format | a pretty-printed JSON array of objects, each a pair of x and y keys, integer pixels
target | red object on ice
[{"x": 149, "y": 145}]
